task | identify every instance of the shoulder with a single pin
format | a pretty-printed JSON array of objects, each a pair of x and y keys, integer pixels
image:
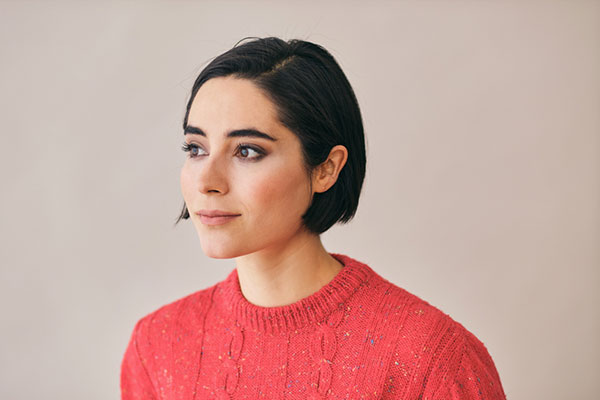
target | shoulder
[
  {"x": 439, "y": 355},
  {"x": 414, "y": 317},
  {"x": 476, "y": 374},
  {"x": 157, "y": 327},
  {"x": 151, "y": 342}
]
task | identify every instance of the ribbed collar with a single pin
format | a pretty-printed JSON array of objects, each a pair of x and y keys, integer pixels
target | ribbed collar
[{"x": 229, "y": 298}]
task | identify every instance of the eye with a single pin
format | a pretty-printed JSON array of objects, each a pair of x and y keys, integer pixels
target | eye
[
  {"x": 191, "y": 148},
  {"x": 246, "y": 151}
]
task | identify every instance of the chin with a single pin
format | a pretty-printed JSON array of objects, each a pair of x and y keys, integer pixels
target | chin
[
  {"x": 219, "y": 255},
  {"x": 221, "y": 250}
]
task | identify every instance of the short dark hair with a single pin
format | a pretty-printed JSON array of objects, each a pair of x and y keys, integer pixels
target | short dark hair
[{"x": 315, "y": 101}]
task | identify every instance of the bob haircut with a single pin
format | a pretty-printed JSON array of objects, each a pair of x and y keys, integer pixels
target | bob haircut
[{"x": 315, "y": 101}]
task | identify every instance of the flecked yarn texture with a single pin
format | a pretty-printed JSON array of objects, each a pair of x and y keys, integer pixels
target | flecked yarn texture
[{"x": 358, "y": 337}]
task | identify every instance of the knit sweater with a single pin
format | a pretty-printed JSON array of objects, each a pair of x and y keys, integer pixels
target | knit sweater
[{"x": 358, "y": 337}]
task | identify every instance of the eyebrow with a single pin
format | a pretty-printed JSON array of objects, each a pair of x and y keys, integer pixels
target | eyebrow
[{"x": 192, "y": 130}]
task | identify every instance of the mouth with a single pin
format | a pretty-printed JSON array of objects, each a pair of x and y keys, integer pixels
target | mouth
[{"x": 215, "y": 217}]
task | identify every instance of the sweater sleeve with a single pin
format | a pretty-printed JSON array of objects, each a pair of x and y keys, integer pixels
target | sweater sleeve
[
  {"x": 474, "y": 377},
  {"x": 135, "y": 380}
]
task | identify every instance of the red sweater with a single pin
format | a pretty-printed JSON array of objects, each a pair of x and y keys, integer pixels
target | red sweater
[{"x": 358, "y": 337}]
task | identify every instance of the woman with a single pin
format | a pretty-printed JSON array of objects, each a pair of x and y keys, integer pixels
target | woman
[{"x": 276, "y": 156}]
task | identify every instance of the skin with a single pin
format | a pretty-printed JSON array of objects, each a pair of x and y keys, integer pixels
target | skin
[{"x": 278, "y": 261}]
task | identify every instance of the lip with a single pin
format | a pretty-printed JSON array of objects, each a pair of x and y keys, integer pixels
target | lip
[
  {"x": 216, "y": 213},
  {"x": 215, "y": 217}
]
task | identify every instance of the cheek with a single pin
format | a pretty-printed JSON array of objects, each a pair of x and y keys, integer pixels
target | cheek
[{"x": 282, "y": 194}]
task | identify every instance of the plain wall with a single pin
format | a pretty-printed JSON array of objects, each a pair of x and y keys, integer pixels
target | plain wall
[{"x": 482, "y": 194}]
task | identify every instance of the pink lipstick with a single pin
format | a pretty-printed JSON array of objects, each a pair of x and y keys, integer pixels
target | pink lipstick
[{"x": 215, "y": 217}]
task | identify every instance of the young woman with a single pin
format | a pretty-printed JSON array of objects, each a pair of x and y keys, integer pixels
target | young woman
[{"x": 275, "y": 157}]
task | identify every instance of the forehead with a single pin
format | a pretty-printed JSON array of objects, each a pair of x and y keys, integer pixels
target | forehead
[{"x": 229, "y": 103}]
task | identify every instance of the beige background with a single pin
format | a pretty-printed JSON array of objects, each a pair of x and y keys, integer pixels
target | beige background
[{"x": 482, "y": 194}]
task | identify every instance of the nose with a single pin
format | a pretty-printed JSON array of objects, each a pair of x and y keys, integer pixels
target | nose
[{"x": 213, "y": 176}]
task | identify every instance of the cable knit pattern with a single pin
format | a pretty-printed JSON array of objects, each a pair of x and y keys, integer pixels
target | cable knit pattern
[
  {"x": 323, "y": 349},
  {"x": 226, "y": 379},
  {"x": 358, "y": 337}
]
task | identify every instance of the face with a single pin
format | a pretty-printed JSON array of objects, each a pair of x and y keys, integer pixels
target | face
[{"x": 243, "y": 162}]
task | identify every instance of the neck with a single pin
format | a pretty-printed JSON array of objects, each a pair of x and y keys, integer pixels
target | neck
[{"x": 280, "y": 276}]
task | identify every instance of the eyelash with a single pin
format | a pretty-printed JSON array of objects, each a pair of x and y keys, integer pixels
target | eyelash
[{"x": 188, "y": 148}]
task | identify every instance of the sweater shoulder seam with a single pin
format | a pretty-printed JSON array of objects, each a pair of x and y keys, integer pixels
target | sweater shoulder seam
[{"x": 137, "y": 352}]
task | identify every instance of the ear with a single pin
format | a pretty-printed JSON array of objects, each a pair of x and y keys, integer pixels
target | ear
[{"x": 326, "y": 173}]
